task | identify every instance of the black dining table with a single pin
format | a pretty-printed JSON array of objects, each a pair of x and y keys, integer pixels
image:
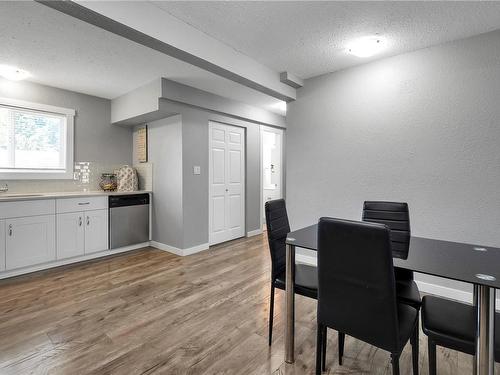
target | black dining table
[{"x": 474, "y": 264}]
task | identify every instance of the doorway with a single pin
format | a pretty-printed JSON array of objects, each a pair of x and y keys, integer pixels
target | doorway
[
  {"x": 271, "y": 141},
  {"x": 226, "y": 182}
]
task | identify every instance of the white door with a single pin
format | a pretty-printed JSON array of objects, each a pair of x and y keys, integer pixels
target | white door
[
  {"x": 272, "y": 160},
  {"x": 226, "y": 182},
  {"x": 2, "y": 245},
  {"x": 70, "y": 234},
  {"x": 96, "y": 231},
  {"x": 30, "y": 240}
]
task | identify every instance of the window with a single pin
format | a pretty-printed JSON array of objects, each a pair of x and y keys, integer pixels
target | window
[{"x": 36, "y": 141}]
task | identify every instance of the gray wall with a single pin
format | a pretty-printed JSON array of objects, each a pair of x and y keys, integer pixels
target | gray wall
[
  {"x": 165, "y": 151},
  {"x": 194, "y": 196},
  {"x": 421, "y": 127},
  {"x": 95, "y": 138}
]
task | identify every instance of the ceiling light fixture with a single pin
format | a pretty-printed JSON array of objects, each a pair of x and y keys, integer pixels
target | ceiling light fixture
[
  {"x": 367, "y": 46},
  {"x": 13, "y": 73}
]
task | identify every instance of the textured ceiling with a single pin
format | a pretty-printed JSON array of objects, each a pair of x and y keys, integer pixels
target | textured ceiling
[
  {"x": 309, "y": 38},
  {"x": 64, "y": 52}
]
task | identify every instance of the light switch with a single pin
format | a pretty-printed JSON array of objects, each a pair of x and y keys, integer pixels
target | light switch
[{"x": 196, "y": 169}]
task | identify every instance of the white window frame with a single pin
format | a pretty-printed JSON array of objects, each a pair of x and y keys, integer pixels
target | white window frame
[{"x": 50, "y": 174}]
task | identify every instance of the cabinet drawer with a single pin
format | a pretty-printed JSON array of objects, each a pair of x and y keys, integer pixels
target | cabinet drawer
[
  {"x": 27, "y": 208},
  {"x": 81, "y": 204}
]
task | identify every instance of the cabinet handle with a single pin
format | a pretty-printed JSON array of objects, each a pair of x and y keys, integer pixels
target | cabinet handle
[
  {"x": 10, "y": 230},
  {"x": 80, "y": 221},
  {"x": 88, "y": 220},
  {"x": 83, "y": 203}
]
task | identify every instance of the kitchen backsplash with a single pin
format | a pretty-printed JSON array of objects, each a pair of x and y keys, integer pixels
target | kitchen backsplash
[{"x": 86, "y": 178}]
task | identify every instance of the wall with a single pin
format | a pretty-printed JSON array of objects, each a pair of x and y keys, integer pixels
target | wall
[
  {"x": 165, "y": 149},
  {"x": 96, "y": 140},
  {"x": 421, "y": 127},
  {"x": 194, "y": 196}
]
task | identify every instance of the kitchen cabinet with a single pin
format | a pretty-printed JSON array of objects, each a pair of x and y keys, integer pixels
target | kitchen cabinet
[
  {"x": 30, "y": 240},
  {"x": 96, "y": 231},
  {"x": 82, "y": 232},
  {"x": 2, "y": 245},
  {"x": 70, "y": 235}
]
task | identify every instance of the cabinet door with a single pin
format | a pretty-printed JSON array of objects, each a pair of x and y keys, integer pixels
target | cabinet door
[
  {"x": 2, "y": 245},
  {"x": 96, "y": 231},
  {"x": 70, "y": 234},
  {"x": 30, "y": 240}
]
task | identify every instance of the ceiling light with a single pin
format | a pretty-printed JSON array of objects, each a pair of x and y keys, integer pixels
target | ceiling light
[
  {"x": 13, "y": 73},
  {"x": 367, "y": 46}
]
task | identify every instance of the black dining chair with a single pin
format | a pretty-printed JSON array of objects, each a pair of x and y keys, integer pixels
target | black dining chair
[
  {"x": 357, "y": 290},
  {"x": 396, "y": 216},
  {"x": 306, "y": 277},
  {"x": 452, "y": 325}
]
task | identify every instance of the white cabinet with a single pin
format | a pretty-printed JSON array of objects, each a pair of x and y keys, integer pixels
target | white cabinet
[
  {"x": 2, "y": 245},
  {"x": 96, "y": 231},
  {"x": 30, "y": 240},
  {"x": 80, "y": 233},
  {"x": 70, "y": 235}
]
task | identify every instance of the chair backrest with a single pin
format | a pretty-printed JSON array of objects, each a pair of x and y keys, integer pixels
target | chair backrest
[
  {"x": 397, "y": 217},
  {"x": 277, "y": 230},
  {"x": 356, "y": 286}
]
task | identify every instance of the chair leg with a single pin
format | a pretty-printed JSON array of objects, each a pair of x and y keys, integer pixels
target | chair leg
[
  {"x": 395, "y": 364},
  {"x": 319, "y": 344},
  {"x": 414, "y": 348},
  {"x": 271, "y": 315},
  {"x": 341, "y": 346},
  {"x": 323, "y": 356},
  {"x": 432, "y": 356}
]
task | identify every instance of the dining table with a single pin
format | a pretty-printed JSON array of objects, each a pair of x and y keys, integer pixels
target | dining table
[{"x": 474, "y": 264}]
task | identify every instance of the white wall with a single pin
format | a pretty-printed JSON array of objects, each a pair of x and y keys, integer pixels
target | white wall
[{"x": 422, "y": 127}]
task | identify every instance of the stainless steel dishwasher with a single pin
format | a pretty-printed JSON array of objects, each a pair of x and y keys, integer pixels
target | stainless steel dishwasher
[{"x": 128, "y": 220}]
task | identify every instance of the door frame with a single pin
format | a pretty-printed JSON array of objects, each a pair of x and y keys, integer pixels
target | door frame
[
  {"x": 244, "y": 184},
  {"x": 282, "y": 161}
]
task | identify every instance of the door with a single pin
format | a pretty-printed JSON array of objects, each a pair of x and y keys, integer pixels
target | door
[
  {"x": 30, "y": 240},
  {"x": 2, "y": 245},
  {"x": 70, "y": 235},
  {"x": 96, "y": 231},
  {"x": 226, "y": 182},
  {"x": 272, "y": 160}
]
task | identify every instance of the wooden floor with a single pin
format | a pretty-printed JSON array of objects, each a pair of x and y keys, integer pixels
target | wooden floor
[{"x": 150, "y": 312}]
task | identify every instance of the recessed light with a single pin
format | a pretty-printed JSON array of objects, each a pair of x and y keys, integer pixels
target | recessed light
[
  {"x": 367, "y": 46},
  {"x": 13, "y": 73}
]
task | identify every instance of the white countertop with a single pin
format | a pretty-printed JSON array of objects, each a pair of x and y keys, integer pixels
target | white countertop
[{"x": 6, "y": 197}]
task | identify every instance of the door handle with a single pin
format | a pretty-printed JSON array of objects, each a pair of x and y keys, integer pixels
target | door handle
[
  {"x": 88, "y": 220},
  {"x": 227, "y": 190},
  {"x": 83, "y": 203},
  {"x": 10, "y": 229},
  {"x": 80, "y": 221}
]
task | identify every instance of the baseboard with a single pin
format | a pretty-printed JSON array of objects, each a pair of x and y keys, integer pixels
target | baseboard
[
  {"x": 255, "y": 232},
  {"x": 64, "y": 262},
  {"x": 177, "y": 251},
  {"x": 306, "y": 259},
  {"x": 451, "y": 293}
]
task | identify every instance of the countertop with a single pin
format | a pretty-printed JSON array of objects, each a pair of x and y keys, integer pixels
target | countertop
[{"x": 7, "y": 197}]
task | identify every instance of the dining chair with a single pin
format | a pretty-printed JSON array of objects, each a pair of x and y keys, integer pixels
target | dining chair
[
  {"x": 357, "y": 291},
  {"x": 396, "y": 216},
  {"x": 306, "y": 277},
  {"x": 452, "y": 325}
]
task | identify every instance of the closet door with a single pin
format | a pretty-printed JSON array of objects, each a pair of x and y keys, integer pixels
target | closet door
[{"x": 226, "y": 182}]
